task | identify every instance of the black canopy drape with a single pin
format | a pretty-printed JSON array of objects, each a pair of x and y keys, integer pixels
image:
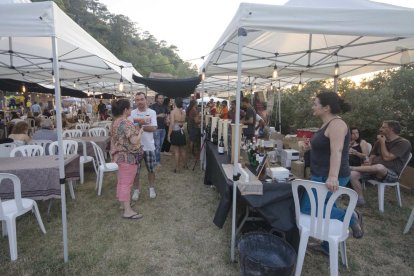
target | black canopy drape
[
  {"x": 107, "y": 96},
  {"x": 16, "y": 85},
  {"x": 171, "y": 88}
]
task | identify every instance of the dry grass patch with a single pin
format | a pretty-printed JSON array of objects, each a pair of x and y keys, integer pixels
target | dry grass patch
[{"x": 177, "y": 235}]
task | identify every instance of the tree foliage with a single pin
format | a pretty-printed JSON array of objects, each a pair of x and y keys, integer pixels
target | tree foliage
[
  {"x": 387, "y": 96},
  {"x": 122, "y": 37}
]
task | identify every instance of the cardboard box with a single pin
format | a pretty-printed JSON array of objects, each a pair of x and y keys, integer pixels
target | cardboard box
[
  {"x": 298, "y": 169},
  {"x": 276, "y": 136},
  {"x": 407, "y": 178}
]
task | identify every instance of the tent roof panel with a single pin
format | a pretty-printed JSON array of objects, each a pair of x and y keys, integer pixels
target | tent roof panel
[{"x": 311, "y": 36}]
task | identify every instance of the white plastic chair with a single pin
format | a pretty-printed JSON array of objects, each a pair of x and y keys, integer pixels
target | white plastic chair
[
  {"x": 409, "y": 222},
  {"x": 98, "y": 131},
  {"x": 83, "y": 160},
  {"x": 32, "y": 124},
  {"x": 382, "y": 185},
  {"x": 27, "y": 150},
  {"x": 11, "y": 209},
  {"x": 101, "y": 166},
  {"x": 315, "y": 225},
  {"x": 6, "y": 148},
  {"x": 82, "y": 126},
  {"x": 69, "y": 147},
  {"x": 43, "y": 143},
  {"x": 72, "y": 133}
]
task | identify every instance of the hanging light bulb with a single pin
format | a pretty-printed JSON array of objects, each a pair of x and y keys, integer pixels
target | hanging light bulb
[
  {"x": 203, "y": 74},
  {"x": 121, "y": 85},
  {"x": 336, "y": 71},
  {"x": 300, "y": 86},
  {"x": 74, "y": 84},
  {"x": 23, "y": 88},
  {"x": 101, "y": 96},
  {"x": 271, "y": 86},
  {"x": 275, "y": 74},
  {"x": 254, "y": 86}
]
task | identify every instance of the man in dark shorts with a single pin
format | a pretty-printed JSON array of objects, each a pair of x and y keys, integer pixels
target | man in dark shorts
[{"x": 386, "y": 160}]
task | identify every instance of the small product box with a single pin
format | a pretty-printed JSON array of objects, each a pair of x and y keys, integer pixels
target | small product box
[{"x": 278, "y": 173}]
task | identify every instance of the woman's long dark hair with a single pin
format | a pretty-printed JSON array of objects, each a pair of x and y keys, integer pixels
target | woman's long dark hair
[
  {"x": 179, "y": 102},
  {"x": 336, "y": 103},
  {"x": 191, "y": 105},
  {"x": 359, "y": 134}
]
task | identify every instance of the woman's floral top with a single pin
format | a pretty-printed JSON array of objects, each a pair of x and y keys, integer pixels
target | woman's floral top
[{"x": 121, "y": 148}]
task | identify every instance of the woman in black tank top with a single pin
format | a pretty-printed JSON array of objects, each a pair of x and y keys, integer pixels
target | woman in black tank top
[
  {"x": 358, "y": 149},
  {"x": 329, "y": 153}
]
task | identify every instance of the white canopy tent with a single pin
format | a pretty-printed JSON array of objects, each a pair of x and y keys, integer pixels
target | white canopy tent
[
  {"x": 207, "y": 99},
  {"x": 40, "y": 43},
  {"x": 307, "y": 40},
  {"x": 26, "y": 50}
]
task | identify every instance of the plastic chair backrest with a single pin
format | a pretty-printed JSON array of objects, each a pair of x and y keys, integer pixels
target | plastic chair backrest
[
  {"x": 6, "y": 148},
  {"x": 27, "y": 150},
  {"x": 317, "y": 191},
  {"x": 72, "y": 133},
  {"x": 69, "y": 147},
  {"x": 406, "y": 164},
  {"x": 43, "y": 143},
  {"x": 17, "y": 191},
  {"x": 31, "y": 122},
  {"x": 82, "y": 126},
  {"x": 100, "y": 159},
  {"x": 98, "y": 131},
  {"x": 369, "y": 147}
]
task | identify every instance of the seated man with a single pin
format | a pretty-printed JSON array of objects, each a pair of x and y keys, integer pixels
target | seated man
[
  {"x": 46, "y": 131},
  {"x": 386, "y": 160}
]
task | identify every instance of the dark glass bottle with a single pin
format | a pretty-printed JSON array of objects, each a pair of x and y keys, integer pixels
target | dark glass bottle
[
  {"x": 215, "y": 136},
  {"x": 221, "y": 145}
]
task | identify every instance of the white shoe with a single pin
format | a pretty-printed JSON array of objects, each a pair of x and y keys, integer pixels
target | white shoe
[
  {"x": 152, "y": 193},
  {"x": 135, "y": 195}
]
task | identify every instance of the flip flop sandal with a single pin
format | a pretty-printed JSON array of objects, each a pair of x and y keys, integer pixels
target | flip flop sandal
[
  {"x": 359, "y": 233},
  {"x": 134, "y": 217}
]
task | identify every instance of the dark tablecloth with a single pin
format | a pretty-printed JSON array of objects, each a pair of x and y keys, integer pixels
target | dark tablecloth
[
  {"x": 275, "y": 205},
  {"x": 39, "y": 175}
]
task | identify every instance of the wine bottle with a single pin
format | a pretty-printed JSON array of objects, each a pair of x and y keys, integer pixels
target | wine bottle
[
  {"x": 221, "y": 145},
  {"x": 215, "y": 136}
]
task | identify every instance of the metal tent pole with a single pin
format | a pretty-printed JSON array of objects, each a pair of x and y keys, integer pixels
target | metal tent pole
[
  {"x": 60, "y": 144},
  {"x": 241, "y": 33}
]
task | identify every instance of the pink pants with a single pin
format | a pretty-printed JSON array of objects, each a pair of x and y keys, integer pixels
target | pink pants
[{"x": 126, "y": 176}]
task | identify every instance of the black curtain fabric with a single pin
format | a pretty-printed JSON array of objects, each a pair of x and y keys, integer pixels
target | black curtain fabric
[
  {"x": 107, "y": 96},
  {"x": 16, "y": 86},
  {"x": 171, "y": 88}
]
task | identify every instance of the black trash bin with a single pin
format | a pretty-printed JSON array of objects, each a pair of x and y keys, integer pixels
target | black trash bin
[{"x": 265, "y": 254}]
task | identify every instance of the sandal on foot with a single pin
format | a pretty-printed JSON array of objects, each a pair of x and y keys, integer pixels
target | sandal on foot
[
  {"x": 358, "y": 228},
  {"x": 134, "y": 217}
]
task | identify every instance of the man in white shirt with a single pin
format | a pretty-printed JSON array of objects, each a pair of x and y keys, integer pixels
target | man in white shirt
[{"x": 147, "y": 119}]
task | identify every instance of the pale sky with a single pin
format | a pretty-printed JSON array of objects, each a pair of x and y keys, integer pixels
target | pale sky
[{"x": 194, "y": 26}]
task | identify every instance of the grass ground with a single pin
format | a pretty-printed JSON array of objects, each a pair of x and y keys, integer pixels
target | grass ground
[{"x": 177, "y": 236}]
